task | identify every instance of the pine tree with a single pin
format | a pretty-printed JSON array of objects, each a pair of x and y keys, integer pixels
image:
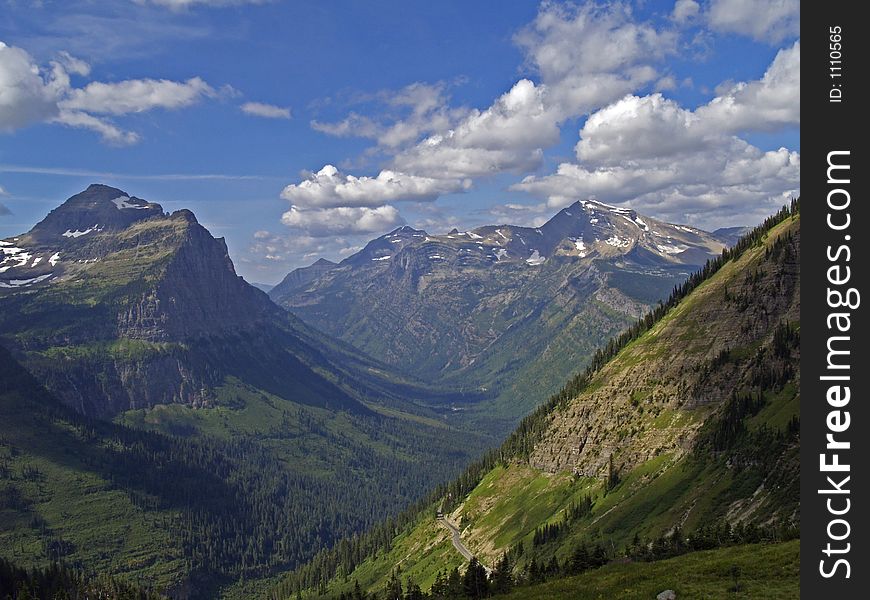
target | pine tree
[
  {"x": 394, "y": 588},
  {"x": 474, "y": 582}
]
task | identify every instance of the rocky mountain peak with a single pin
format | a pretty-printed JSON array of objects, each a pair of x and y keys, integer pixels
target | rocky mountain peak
[{"x": 98, "y": 208}]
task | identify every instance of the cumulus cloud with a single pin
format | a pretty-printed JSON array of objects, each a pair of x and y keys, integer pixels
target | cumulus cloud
[
  {"x": 564, "y": 46},
  {"x": 683, "y": 165},
  {"x": 330, "y": 202},
  {"x": 508, "y": 136},
  {"x": 136, "y": 95},
  {"x": 27, "y": 95},
  {"x": 342, "y": 220},
  {"x": 30, "y": 94},
  {"x": 330, "y": 188},
  {"x": 767, "y": 104},
  {"x": 267, "y": 111},
  {"x": 769, "y": 21},
  {"x": 591, "y": 55}
]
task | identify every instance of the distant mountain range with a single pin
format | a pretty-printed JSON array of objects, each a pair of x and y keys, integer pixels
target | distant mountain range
[{"x": 507, "y": 309}]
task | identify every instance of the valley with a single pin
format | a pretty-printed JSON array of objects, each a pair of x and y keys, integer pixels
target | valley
[{"x": 687, "y": 421}]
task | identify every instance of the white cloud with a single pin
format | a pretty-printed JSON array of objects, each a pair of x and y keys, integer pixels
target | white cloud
[
  {"x": 110, "y": 133},
  {"x": 645, "y": 128},
  {"x": 330, "y": 188},
  {"x": 136, "y": 95},
  {"x": 507, "y": 136},
  {"x": 683, "y": 165},
  {"x": 685, "y": 11},
  {"x": 564, "y": 46},
  {"x": 343, "y": 220},
  {"x": 590, "y": 55},
  {"x": 766, "y": 104},
  {"x": 26, "y": 94},
  {"x": 769, "y": 21},
  {"x": 268, "y": 111},
  {"x": 74, "y": 65},
  {"x": 30, "y": 94},
  {"x": 330, "y": 202}
]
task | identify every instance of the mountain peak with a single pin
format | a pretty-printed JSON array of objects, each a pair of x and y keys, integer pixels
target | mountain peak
[{"x": 98, "y": 208}]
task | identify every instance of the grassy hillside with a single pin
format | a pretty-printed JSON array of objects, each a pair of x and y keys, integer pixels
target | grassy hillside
[
  {"x": 688, "y": 419},
  {"x": 751, "y": 571}
]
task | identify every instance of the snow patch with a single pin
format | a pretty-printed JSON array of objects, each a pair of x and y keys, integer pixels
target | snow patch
[
  {"x": 593, "y": 221},
  {"x": 498, "y": 231},
  {"x": 383, "y": 258},
  {"x": 36, "y": 261},
  {"x": 473, "y": 235},
  {"x": 54, "y": 258},
  {"x": 618, "y": 242},
  {"x": 640, "y": 222},
  {"x": 535, "y": 259},
  {"x": 672, "y": 248},
  {"x": 17, "y": 283},
  {"x": 4, "y": 243},
  {"x": 121, "y": 203},
  {"x": 15, "y": 253},
  {"x": 581, "y": 247},
  {"x": 77, "y": 233},
  {"x": 501, "y": 254},
  {"x": 436, "y": 257}
]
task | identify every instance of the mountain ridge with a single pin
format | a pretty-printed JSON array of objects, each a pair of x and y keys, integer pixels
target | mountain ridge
[{"x": 500, "y": 309}]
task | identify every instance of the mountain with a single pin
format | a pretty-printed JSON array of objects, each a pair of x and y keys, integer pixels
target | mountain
[
  {"x": 116, "y": 305},
  {"x": 682, "y": 436},
  {"x": 502, "y": 308},
  {"x": 151, "y": 379},
  {"x": 731, "y": 235}
]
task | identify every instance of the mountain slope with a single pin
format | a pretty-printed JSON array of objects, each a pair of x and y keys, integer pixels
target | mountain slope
[
  {"x": 689, "y": 420},
  {"x": 286, "y": 439},
  {"x": 504, "y": 308},
  {"x": 142, "y": 308}
]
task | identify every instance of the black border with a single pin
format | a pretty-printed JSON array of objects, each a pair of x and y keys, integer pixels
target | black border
[{"x": 827, "y": 126}]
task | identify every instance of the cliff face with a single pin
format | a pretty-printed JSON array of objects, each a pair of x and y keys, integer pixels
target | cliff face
[
  {"x": 141, "y": 307},
  {"x": 198, "y": 294}
]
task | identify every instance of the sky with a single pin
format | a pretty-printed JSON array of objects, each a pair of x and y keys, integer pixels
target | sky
[{"x": 300, "y": 130}]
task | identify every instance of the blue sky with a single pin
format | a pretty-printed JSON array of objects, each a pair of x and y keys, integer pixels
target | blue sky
[{"x": 300, "y": 130}]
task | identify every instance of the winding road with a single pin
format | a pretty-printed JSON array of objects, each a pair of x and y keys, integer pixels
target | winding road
[{"x": 457, "y": 541}]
